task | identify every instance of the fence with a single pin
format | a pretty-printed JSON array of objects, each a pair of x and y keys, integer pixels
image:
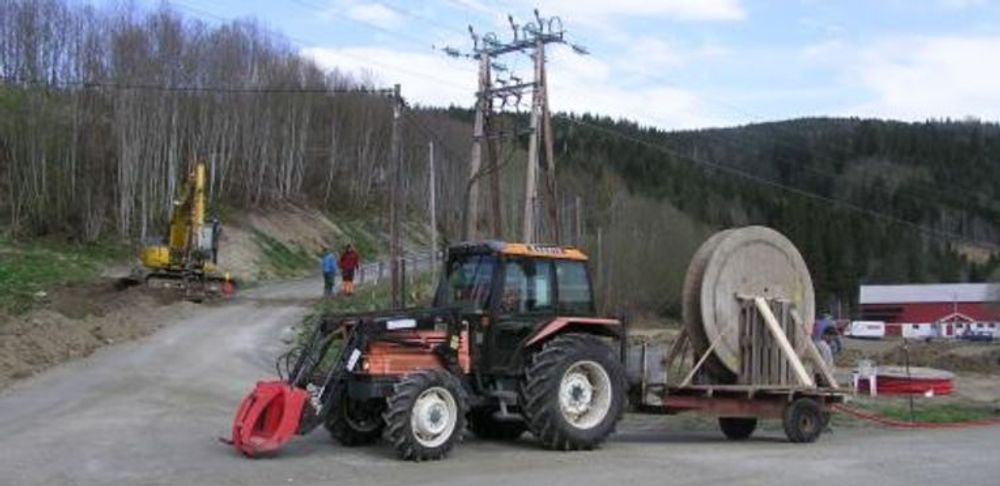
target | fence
[{"x": 412, "y": 265}]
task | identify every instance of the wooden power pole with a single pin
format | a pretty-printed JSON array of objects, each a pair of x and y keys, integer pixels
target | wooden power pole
[
  {"x": 476, "y": 161},
  {"x": 531, "y": 38},
  {"x": 396, "y": 200},
  {"x": 432, "y": 187}
]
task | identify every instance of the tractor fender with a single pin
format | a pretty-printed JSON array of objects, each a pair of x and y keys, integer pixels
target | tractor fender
[{"x": 589, "y": 325}]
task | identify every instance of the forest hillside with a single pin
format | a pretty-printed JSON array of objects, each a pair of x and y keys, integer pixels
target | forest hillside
[{"x": 103, "y": 110}]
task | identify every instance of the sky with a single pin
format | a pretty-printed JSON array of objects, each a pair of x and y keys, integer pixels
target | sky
[{"x": 673, "y": 64}]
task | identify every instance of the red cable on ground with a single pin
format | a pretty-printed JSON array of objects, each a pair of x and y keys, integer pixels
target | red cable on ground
[
  {"x": 888, "y": 385},
  {"x": 900, "y": 424}
]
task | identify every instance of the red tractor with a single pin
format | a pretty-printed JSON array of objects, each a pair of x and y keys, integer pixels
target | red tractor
[{"x": 511, "y": 344}]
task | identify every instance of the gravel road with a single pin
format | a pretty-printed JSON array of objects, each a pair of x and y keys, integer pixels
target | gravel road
[{"x": 149, "y": 412}]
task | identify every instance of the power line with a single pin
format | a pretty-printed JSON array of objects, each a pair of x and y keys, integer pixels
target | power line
[
  {"x": 86, "y": 84},
  {"x": 308, "y": 44}
]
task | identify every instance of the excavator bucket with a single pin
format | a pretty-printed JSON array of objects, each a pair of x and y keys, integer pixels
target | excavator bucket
[{"x": 268, "y": 417}]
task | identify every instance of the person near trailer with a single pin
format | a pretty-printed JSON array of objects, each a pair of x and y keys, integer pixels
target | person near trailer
[
  {"x": 826, "y": 338},
  {"x": 329, "y": 264},
  {"x": 350, "y": 260}
]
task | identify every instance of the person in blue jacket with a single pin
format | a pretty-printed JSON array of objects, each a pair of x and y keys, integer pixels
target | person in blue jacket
[{"x": 329, "y": 264}]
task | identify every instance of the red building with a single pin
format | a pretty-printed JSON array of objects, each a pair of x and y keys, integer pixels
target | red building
[{"x": 932, "y": 310}]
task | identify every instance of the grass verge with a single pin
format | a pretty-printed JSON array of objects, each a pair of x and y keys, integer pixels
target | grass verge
[
  {"x": 284, "y": 260},
  {"x": 29, "y": 270},
  {"x": 923, "y": 411}
]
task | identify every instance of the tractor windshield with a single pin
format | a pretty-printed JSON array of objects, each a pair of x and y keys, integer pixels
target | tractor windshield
[{"x": 467, "y": 283}]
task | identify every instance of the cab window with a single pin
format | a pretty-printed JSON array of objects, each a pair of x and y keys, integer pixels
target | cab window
[
  {"x": 574, "y": 288},
  {"x": 468, "y": 283},
  {"x": 527, "y": 287}
]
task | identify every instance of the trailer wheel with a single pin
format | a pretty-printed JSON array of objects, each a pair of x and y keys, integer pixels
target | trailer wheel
[
  {"x": 737, "y": 428},
  {"x": 482, "y": 423},
  {"x": 355, "y": 423},
  {"x": 803, "y": 420},
  {"x": 574, "y": 392},
  {"x": 425, "y": 415}
]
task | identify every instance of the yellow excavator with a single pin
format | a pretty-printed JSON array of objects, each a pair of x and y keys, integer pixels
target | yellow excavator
[{"x": 187, "y": 260}]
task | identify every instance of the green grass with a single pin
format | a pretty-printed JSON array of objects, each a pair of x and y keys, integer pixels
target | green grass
[
  {"x": 285, "y": 261},
  {"x": 929, "y": 412},
  {"x": 27, "y": 269}
]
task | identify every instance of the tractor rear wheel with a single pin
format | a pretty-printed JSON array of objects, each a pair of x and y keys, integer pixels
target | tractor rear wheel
[
  {"x": 482, "y": 423},
  {"x": 574, "y": 392},
  {"x": 355, "y": 423},
  {"x": 737, "y": 428},
  {"x": 425, "y": 415}
]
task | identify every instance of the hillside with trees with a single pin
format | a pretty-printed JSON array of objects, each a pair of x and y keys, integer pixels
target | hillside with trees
[{"x": 102, "y": 110}]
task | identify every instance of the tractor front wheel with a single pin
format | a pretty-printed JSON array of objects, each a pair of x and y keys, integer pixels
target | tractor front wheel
[
  {"x": 574, "y": 392},
  {"x": 355, "y": 423},
  {"x": 425, "y": 415}
]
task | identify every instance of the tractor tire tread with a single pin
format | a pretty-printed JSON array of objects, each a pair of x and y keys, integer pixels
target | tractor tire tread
[
  {"x": 399, "y": 407},
  {"x": 540, "y": 391}
]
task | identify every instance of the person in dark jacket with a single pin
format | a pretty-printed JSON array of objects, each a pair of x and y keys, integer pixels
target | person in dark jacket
[
  {"x": 329, "y": 264},
  {"x": 350, "y": 260}
]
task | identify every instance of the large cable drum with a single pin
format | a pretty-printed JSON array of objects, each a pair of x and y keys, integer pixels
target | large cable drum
[{"x": 749, "y": 261}]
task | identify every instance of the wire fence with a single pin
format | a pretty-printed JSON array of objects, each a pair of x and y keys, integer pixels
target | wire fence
[{"x": 412, "y": 265}]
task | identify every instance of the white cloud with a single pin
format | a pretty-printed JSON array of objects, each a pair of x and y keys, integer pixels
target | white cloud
[
  {"x": 375, "y": 14},
  {"x": 596, "y": 11},
  {"x": 916, "y": 78},
  {"x": 429, "y": 78},
  {"x": 578, "y": 84},
  {"x": 585, "y": 84}
]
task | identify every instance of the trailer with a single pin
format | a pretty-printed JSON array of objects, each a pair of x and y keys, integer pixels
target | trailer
[
  {"x": 745, "y": 353},
  {"x": 803, "y": 408}
]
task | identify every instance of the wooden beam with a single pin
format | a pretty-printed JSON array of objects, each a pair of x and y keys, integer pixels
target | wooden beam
[
  {"x": 779, "y": 336},
  {"x": 697, "y": 366},
  {"x": 814, "y": 354}
]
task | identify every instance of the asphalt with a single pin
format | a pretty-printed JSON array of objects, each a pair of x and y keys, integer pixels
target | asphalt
[{"x": 150, "y": 412}]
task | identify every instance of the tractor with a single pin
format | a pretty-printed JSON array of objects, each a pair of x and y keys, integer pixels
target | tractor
[{"x": 511, "y": 343}]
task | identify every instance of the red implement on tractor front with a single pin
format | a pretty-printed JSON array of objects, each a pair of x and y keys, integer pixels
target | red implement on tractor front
[
  {"x": 278, "y": 410},
  {"x": 268, "y": 417}
]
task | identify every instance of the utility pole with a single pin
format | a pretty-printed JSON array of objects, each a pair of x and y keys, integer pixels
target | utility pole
[
  {"x": 578, "y": 223},
  {"x": 432, "y": 186},
  {"x": 476, "y": 162},
  {"x": 529, "y": 38},
  {"x": 530, "y": 204},
  {"x": 395, "y": 200}
]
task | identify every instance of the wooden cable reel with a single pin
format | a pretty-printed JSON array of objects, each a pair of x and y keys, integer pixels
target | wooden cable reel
[{"x": 749, "y": 261}]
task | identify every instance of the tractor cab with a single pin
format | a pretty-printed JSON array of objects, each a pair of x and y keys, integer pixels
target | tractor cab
[{"x": 512, "y": 291}]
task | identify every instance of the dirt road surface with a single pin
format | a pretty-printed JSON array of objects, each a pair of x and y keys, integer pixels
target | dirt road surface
[{"x": 149, "y": 412}]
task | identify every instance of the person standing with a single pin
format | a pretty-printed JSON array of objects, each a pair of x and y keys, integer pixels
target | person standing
[
  {"x": 329, "y": 264},
  {"x": 350, "y": 260}
]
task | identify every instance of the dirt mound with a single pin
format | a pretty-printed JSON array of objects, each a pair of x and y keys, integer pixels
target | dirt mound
[{"x": 43, "y": 338}]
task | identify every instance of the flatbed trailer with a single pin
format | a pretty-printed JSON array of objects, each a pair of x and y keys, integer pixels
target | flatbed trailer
[{"x": 775, "y": 382}]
